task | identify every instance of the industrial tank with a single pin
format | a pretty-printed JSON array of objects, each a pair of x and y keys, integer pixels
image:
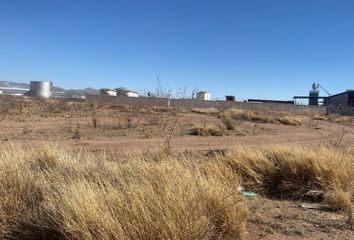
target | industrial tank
[
  {"x": 42, "y": 89},
  {"x": 108, "y": 92},
  {"x": 313, "y": 97}
]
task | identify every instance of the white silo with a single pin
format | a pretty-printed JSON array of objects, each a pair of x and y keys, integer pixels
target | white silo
[{"x": 42, "y": 89}]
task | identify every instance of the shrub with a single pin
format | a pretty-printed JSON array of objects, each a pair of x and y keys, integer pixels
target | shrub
[
  {"x": 227, "y": 121},
  {"x": 207, "y": 130},
  {"x": 289, "y": 120},
  {"x": 319, "y": 117}
]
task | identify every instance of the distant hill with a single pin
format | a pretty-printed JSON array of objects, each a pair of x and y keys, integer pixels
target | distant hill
[{"x": 55, "y": 88}]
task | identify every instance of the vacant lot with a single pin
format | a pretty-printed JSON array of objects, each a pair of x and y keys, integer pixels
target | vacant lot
[{"x": 71, "y": 170}]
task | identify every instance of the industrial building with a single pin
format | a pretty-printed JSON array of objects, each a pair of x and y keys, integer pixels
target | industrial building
[
  {"x": 269, "y": 101},
  {"x": 344, "y": 99},
  {"x": 313, "y": 98},
  {"x": 203, "y": 95}
]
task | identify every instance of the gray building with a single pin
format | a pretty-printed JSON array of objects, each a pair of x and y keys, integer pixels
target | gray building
[{"x": 344, "y": 99}]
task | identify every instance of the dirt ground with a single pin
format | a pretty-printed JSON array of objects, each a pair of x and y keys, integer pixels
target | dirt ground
[{"x": 118, "y": 130}]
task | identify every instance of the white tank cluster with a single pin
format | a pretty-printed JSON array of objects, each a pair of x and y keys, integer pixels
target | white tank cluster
[
  {"x": 41, "y": 89},
  {"x": 119, "y": 92},
  {"x": 108, "y": 92}
]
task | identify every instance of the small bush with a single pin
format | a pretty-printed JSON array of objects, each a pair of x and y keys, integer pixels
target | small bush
[
  {"x": 207, "y": 130},
  {"x": 290, "y": 120},
  {"x": 227, "y": 121},
  {"x": 319, "y": 117}
]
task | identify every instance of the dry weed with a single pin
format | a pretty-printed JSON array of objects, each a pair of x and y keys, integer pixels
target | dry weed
[
  {"x": 52, "y": 194},
  {"x": 210, "y": 111}
]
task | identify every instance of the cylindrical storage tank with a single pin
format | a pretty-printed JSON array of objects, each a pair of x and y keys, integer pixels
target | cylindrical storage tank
[
  {"x": 108, "y": 92},
  {"x": 42, "y": 89},
  {"x": 313, "y": 97}
]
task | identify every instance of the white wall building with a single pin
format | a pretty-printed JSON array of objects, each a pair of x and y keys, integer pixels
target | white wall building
[{"x": 203, "y": 95}]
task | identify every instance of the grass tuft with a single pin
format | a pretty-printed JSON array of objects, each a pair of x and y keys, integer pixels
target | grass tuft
[
  {"x": 51, "y": 194},
  {"x": 207, "y": 130},
  {"x": 209, "y": 111}
]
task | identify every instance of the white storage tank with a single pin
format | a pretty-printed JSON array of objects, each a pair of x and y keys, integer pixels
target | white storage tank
[
  {"x": 125, "y": 92},
  {"x": 203, "y": 95},
  {"x": 42, "y": 89},
  {"x": 108, "y": 92}
]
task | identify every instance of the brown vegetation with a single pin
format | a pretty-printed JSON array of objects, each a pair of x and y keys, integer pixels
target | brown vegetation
[
  {"x": 50, "y": 194},
  {"x": 205, "y": 129},
  {"x": 190, "y": 190},
  {"x": 211, "y": 111},
  {"x": 61, "y": 195},
  {"x": 262, "y": 117}
]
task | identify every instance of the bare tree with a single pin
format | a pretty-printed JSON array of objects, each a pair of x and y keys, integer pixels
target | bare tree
[{"x": 194, "y": 91}]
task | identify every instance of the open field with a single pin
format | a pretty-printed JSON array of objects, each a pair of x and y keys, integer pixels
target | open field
[{"x": 72, "y": 170}]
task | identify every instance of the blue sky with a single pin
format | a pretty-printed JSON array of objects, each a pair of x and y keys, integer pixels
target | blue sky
[{"x": 250, "y": 49}]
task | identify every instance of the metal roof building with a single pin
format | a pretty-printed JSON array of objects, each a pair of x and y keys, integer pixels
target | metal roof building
[{"x": 344, "y": 99}]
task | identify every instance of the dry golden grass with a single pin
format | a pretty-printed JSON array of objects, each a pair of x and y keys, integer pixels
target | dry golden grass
[
  {"x": 289, "y": 120},
  {"x": 319, "y": 117},
  {"x": 318, "y": 174},
  {"x": 348, "y": 120},
  {"x": 262, "y": 117},
  {"x": 50, "y": 194},
  {"x": 227, "y": 121},
  {"x": 207, "y": 129},
  {"x": 210, "y": 111},
  {"x": 238, "y": 114},
  {"x": 297, "y": 172}
]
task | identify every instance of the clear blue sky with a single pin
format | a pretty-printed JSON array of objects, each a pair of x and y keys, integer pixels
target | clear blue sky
[{"x": 250, "y": 48}]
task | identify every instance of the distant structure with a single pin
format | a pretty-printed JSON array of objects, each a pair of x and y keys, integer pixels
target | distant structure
[
  {"x": 41, "y": 89},
  {"x": 122, "y": 91},
  {"x": 313, "y": 95},
  {"x": 269, "y": 101},
  {"x": 344, "y": 99},
  {"x": 203, "y": 95},
  {"x": 230, "y": 98},
  {"x": 313, "y": 98},
  {"x": 108, "y": 92},
  {"x": 151, "y": 94}
]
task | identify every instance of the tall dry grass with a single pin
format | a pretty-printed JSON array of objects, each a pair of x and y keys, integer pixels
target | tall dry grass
[
  {"x": 50, "y": 193},
  {"x": 210, "y": 111},
  {"x": 322, "y": 174},
  {"x": 262, "y": 117},
  {"x": 46, "y": 193}
]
